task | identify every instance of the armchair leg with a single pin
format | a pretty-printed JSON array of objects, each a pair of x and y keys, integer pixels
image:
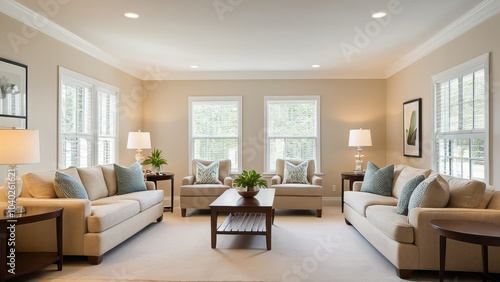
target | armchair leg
[
  {"x": 183, "y": 212},
  {"x": 160, "y": 218},
  {"x": 318, "y": 212}
]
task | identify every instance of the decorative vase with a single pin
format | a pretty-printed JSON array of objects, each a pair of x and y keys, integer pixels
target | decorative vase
[
  {"x": 158, "y": 170},
  {"x": 249, "y": 193}
]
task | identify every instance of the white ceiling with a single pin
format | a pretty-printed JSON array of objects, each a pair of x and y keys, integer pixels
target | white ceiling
[{"x": 248, "y": 39}]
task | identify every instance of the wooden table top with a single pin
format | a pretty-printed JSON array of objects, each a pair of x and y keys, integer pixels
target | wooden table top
[
  {"x": 483, "y": 233},
  {"x": 231, "y": 198}
]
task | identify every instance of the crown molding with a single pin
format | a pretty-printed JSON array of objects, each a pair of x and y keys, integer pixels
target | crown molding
[
  {"x": 41, "y": 23},
  {"x": 480, "y": 13}
]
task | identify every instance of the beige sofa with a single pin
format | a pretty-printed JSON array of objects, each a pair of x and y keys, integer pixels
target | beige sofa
[
  {"x": 93, "y": 226},
  {"x": 295, "y": 195},
  {"x": 200, "y": 196},
  {"x": 409, "y": 242}
]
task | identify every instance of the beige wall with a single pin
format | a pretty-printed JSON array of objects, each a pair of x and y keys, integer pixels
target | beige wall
[
  {"x": 43, "y": 54},
  {"x": 345, "y": 104},
  {"x": 415, "y": 82}
]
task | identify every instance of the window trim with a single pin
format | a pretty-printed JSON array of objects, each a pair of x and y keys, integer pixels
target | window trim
[
  {"x": 480, "y": 62},
  {"x": 96, "y": 85},
  {"x": 237, "y": 99},
  {"x": 267, "y": 153}
]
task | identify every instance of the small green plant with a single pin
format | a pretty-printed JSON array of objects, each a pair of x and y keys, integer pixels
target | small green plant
[
  {"x": 249, "y": 179},
  {"x": 156, "y": 160}
]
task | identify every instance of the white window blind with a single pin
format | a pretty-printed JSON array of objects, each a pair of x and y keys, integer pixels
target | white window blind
[
  {"x": 87, "y": 121},
  {"x": 461, "y": 120},
  {"x": 292, "y": 129},
  {"x": 215, "y": 129}
]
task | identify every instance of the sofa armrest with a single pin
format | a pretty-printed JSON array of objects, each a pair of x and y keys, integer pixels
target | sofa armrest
[
  {"x": 228, "y": 181},
  {"x": 188, "y": 180},
  {"x": 356, "y": 185},
  {"x": 275, "y": 180},
  {"x": 317, "y": 180},
  {"x": 150, "y": 185}
]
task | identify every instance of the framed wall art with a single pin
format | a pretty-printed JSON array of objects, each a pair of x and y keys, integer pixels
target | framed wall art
[
  {"x": 412, "y": 128},
  {"x": 14, "y": 94}
]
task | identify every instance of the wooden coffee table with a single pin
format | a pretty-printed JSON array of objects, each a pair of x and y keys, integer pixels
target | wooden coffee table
[
  {"x": 475, "y": 232},
  {"x": 247, "y": 216}
]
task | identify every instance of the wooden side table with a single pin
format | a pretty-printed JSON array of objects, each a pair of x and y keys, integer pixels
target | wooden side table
[
  {"x": 351, "y": 176},
  {"x": 160, "y": 177},
  {"x": 475, "y": 232},
  {"x": 27, "y": 262}
]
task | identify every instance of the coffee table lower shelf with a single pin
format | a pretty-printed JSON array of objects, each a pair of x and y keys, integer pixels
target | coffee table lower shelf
[{"x": 244, "y": 223}]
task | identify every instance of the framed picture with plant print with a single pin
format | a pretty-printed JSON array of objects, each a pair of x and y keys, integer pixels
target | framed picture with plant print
[
  {"x": 412, "y": 128},
  {"x": 14, "y": 94}
]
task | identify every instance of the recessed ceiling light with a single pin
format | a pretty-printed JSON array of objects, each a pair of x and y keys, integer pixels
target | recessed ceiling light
[
  {"x": 315, "y": 66},
  {"x": 379, "y": 14},
  {"x": 194, "y": 67},
  {"x": 131, "y": 15}
]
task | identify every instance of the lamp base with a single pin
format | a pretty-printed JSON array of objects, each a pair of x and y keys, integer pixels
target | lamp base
[
  {"x": 17, "y": 210},
  {"x": 358, "y": 169}
]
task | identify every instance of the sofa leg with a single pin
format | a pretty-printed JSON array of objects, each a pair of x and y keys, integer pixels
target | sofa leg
[
  {"x": 318, "y": 212},
  {"x": 95, "y": 260},
  {"x": 404, "y": 273},
  {"x": 347, "y": 222},
  {"x": 160, "y": 218},
  {"x": 183, "y": 212}
]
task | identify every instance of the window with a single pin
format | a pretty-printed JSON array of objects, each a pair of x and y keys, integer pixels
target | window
[
  {"x": 292, "y": 129},
  {"x": 215, "y": 129},
  {"x": 461, "y": 120},
  {"x": 87, "y": 121}
]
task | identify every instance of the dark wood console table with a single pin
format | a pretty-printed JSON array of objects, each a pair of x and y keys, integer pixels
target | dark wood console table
[
  {"x": 160, "y": 177},
  {"x": 351, "y": 176},
  {"x": 27, "y": 262}
]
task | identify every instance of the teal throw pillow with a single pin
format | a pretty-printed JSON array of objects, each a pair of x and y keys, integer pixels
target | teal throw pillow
[
  {"x": 378, "y": 180},
  {"x": 433, "y": 192},
  {"x": 295, "y": 173},
  {"x": 207, "y": 174},
  {"x": 129, "y": 179},
  {"x": 404, "y": 198},
  {"x": 66, "y": 186}
]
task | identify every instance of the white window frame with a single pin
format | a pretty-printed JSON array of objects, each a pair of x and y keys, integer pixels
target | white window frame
[
  {"x": 317, "y": 100},
  {"x": 97, "y": 86},
  {"x": 216, "y": 99},
  {"x": 478, "y": 63}
]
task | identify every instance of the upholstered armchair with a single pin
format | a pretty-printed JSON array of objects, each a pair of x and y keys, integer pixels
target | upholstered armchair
[
  {"x": 205, "y": 185},
  {"x": 297, "y": 187}
]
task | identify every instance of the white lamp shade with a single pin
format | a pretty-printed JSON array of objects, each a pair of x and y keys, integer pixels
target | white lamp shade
[
  {"x": 139, "y": 140},
  {"x": 360, "y": 138},
  {"x": 19, "y": 146}
]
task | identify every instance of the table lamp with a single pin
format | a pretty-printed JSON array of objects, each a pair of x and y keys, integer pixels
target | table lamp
[
  {"x": 359, "y": 138},
  {"x": 139, "y": 140},
  {"x": 17, "y": 146}
]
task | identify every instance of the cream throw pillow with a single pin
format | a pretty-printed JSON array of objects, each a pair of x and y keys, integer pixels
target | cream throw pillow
[{"x": 433, "y": 192}]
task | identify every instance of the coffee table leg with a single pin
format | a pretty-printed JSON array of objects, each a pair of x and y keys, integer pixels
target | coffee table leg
[
  {"x": 269, "y": 219},
  {"x": 442, "y": 257},
  {"x": 213, "y": 227},
  {"x": 484, "y": 251}
]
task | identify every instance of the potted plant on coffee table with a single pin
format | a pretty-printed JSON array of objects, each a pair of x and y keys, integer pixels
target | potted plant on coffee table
[
  {"x": 247, "y": 183},
  {"x": 156, "y": 161}
]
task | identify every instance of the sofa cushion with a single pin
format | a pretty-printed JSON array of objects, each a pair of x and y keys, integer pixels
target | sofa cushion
[
  {"x": 392, "y": 224},
  {"x": 378, "y": 180},
  {"x": 129, "y": 179},
  {"x": 433, "y": 192},
  {"x": 40, "y": 184},
  {"x": 408, "y": 189},
  {"x": 294, "y": 189},
  {"x": 203, "y": 190},
  {"x": 488, "y": 194},
  {"x": 465, "y": 193},
  {"x": 406, "y": 174},
  {"x": 108, "y": 171},
  {"x": 207, "y": 174},
  {"x": 146, "y": 199},
  {"x": 66, "y": 186},
  {"x": 93, "y": 181},
  {"x": 359, "y": 201},
  {"x": 106, "y": 213},
  {"x": 296, "y": 173}
]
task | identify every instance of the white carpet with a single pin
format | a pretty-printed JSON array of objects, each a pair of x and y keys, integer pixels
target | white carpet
[{"x": 304, "y": 248}]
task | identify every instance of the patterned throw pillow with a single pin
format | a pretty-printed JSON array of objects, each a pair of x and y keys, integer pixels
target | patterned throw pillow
[
  {"x": 378, "y": 180},
  {"x": 433, "y": 192},
  {"x": 295, "y": 173},
  {"x": 66, "y": 186},
  {"x": 129, "y": 179},
  {"x": 207, "y": 174},
  {"x": 404, "y": 198}
]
